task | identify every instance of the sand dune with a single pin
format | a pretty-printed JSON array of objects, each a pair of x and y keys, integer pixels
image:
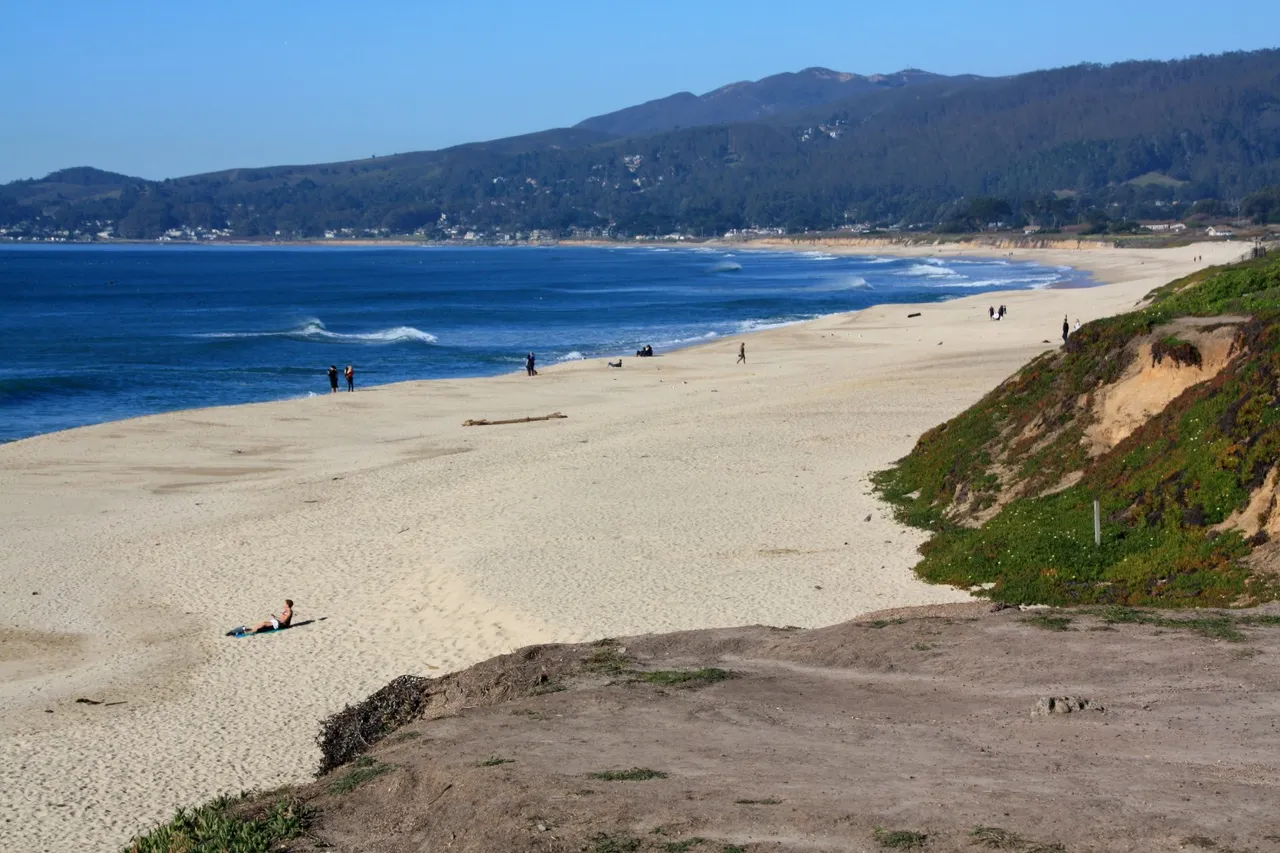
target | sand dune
[{"x": 681, "y": 492}]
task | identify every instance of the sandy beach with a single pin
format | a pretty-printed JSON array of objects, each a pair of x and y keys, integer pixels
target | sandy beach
[{"x": 683, "y": 491}]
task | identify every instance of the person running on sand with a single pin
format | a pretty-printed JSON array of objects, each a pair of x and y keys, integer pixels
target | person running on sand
[
  {"x": 275, "y": 623},
  {"x": 333, "y": 379},
  {"x": 350, "y": 373},
  {"x": 742, "y": 354}
]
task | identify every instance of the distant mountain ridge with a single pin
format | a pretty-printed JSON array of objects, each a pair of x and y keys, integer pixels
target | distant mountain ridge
[
  {"x": 752, "y": 100},
  {"x": 1089, "y": 144}
]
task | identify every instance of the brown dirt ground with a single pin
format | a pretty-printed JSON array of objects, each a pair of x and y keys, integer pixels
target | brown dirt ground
[{"x": 902, "y": 721}]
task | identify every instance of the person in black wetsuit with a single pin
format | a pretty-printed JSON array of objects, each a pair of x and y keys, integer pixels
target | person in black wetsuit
[
  {"x": 333, "y": 379},
  {"x": 1066, "y": 329}
]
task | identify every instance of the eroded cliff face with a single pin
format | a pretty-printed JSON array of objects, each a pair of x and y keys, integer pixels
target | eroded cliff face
[
  {"x": 1168, "y": 417},
  {"x": 1071, "y": 432},
  {"x": 1151, "y": 383}
]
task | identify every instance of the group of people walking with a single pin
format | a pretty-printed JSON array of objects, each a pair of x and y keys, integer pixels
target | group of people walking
[
  {"x": 997, "y": 313},
  {"x": 349, "y": 373}
]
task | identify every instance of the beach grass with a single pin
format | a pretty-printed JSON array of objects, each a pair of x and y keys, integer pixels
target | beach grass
[
  {"x": 614, "y": 843},
  {"x": 900, "y": 839},
  {"x": 683, "y": 677},
  {"x": 635, "y": 774},
  {"x": 224, "y": 825},
  {"x": 495, "y": 761},
  {"x": 363, "y": 770},
  {"x": 1048, "y": 621}
]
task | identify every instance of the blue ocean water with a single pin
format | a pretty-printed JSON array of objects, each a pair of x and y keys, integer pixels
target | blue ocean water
[{"x": 91, "y": 334}]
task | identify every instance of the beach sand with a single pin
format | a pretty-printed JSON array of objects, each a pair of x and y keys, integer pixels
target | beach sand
[{"x": 682, "y": 491}]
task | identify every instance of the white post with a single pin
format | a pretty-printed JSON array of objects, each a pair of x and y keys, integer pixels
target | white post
[{"x": 1097, "y": 525}]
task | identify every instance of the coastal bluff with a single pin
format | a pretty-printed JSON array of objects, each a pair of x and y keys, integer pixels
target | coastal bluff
[{"x": 950, "y": 728}]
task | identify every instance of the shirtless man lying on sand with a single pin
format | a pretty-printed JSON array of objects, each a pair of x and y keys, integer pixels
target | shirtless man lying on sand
[{"x": 275, "y": 623}]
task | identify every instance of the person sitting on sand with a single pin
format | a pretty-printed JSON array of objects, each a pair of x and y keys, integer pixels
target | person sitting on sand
[{"x": 275, "y": 623}]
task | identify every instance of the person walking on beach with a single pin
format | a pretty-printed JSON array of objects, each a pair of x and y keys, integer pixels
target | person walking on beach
[
  {"x": 529, "y": 361},
  {"x": 1065, "y": 328},
  {"x": 1002, "y": 312},
  {"x": 350, "y": 373},
  {"x": 991, "y": 311},
  {"x": 333, "y": 379},
  {"x": 742, "y": 353}
]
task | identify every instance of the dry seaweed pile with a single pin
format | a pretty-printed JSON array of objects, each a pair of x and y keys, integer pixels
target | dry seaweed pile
[{"x": 536, "y": 669}]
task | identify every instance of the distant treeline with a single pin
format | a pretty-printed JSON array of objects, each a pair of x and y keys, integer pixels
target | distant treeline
[{"x": 1104, "y": 145}]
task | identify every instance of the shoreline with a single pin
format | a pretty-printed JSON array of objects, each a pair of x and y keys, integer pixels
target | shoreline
[
  {"x": 763, "y": 248},
  {"x": 680, "y": 492}
]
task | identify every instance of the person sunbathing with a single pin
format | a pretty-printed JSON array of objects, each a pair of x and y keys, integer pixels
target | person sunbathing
[{"x": 275, "y": 623}]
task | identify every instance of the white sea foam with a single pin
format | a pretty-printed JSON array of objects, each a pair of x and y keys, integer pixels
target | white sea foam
[
  {"x": 819, "y": 256},
  {"x": 1009, "y": 283},
  {"x": 929, "y": 269},
  {"x": 760, "y": 325},
  {"x": 853, "y": 282},
  {"x": 727, "y": 266},
  {"x": 572, "y": 356},
  {"x": 315, "y": 330}
]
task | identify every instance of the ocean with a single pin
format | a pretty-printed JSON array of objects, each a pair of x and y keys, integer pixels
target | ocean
[{"x": 98, "y": 333}]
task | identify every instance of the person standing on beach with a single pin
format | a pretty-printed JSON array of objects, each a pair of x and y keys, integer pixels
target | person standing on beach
[
  {"x": 350, "y": 373},
  {"x": 991, "y": 311},
  {"x": 333, "y": 379},
  {"x": 1065, "y": 328},
  {"x": 742, "y": 353},
  {"x": 529, "y": 361}
]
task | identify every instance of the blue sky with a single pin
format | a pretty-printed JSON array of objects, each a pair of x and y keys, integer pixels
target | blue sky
[{"x": 160, "y": 89}]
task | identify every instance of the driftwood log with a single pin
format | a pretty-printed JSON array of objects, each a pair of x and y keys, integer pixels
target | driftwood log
[{"x": 482, "y": 422}]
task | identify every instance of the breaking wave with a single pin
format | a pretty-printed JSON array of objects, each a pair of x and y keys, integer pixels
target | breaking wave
[
  {"x": 315, "y": 330},
  {"x": 930, "y": 270}
]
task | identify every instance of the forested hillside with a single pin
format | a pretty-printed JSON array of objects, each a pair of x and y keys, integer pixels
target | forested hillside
[
  {"x": 1088, "y": 143},
  {"x": 780, "y": 94}
]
